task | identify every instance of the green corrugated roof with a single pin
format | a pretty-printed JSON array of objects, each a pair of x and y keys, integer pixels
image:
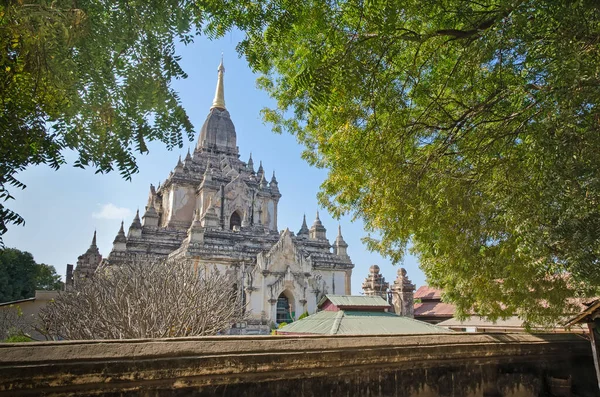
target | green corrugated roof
[
  {"x": 347, "y": 322},
  {"x": 349, "y": 300},
  {"x": 318, "y": 323}
]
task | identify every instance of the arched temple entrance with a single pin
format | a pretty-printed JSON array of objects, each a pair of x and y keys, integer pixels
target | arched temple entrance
[
  {"x": 285, "y": 309},
  {"x": 235, "y": 220}
]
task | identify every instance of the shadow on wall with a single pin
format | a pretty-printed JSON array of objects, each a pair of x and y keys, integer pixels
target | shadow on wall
[{"x": 417, "y": 382}]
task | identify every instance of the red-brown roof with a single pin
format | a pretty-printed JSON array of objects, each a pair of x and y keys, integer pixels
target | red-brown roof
[
  {"x": 428, "y": 293},
  {"x": 434, "y": 309}
]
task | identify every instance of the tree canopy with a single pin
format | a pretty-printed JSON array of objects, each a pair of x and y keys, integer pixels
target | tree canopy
[
  {"x": 17, "y": 275},
  {"x": 89, "y": 76},
  {"x": 468, "y": 130},
  {"x": 47, "y": 279},
  {"x": 21, "y": 276}
]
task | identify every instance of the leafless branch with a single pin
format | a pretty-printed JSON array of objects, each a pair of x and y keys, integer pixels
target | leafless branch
[
  {"x": 144, "y": 300},
  {"x": 12, "y": 322}
]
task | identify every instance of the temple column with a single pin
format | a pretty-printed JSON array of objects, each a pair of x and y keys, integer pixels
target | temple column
[
  {"x": 275, "y": 216},
  {"x": 348, "y": 283},
  {"x": 403, "y": 295},
  {"x": 273, "y": 303}
]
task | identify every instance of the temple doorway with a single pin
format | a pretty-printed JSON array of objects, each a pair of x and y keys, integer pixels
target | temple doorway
[
  {"x": 285, "y": 313},
  {"x": 235, "y": 220}
]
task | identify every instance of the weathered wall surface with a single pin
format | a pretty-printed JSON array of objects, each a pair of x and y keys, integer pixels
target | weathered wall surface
[
  {"x": 30, "y": 309},
  {"x": 432, "y": 365}
]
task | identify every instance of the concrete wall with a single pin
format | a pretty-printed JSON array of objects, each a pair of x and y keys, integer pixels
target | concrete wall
[{"x": 409, "y": 365}]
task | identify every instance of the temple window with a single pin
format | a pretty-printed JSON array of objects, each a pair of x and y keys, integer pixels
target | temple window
[{"x": 235, "y": 220}]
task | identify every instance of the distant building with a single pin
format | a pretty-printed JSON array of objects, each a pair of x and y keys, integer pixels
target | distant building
[
  {"x": 512, "y": 324},
  {"x": 357, "y": 315},
  {"x": 215, "y": 209},
  {"x": 429, "y": 306},
  {"x": 426, "y": 305},
  {"x": 87, "y": 263}
]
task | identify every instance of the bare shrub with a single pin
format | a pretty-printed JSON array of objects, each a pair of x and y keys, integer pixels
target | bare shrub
[
  {"x": 13, "y": 322},
  {"x": 144, "y": 300}
]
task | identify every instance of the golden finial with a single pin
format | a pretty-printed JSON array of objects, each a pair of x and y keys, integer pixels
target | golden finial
[{"x": 219, "y": 101}]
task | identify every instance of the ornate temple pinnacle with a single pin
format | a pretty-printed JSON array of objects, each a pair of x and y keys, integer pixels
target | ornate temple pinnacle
[
  {"x": 250, "y": 164},
  {"x": 219, "y": 101},
  {"x": 340, "y": 244},
  {"x": 93, "y": 247},
  {"x": 304, "y": 227},
  {"x": 136, "y": 219}
]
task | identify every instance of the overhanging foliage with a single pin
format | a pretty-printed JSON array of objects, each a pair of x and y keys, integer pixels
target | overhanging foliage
[{"x": 469, "y": 129}]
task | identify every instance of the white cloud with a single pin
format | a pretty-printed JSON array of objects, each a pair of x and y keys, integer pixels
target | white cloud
[{"x": 111, "y": 211}]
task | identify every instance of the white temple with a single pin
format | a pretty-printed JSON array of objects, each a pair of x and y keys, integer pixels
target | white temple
[{"x": 215, "y": 209}]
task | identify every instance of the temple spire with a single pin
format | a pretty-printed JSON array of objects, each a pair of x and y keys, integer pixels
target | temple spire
[
  {"x": 93, "y": 247},
  {"x": 304, "y": 228},
  {"x": 251, "y": 164},
  {"x": 137, "y": 224},
  {"x": 151, "y": 196},
  {"x": 318, "y": 231},
  {"x": 219, "y": 101},
  {"x": 120, "y": 240},
  {"x": 340, "y": 246}
]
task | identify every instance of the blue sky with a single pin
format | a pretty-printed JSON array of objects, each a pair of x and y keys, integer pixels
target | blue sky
[{"x": 63, "y": 208}]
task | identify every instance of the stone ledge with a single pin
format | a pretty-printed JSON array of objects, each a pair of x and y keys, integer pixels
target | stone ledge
[
  {"x": 166, "y": 364},
  {"x": 39, "y": 352}
]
